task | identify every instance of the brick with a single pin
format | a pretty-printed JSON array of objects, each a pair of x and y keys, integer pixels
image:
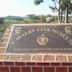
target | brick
[
  {"x": 15, "y": 58},
  {"x": 3, "y": 44},
  {"x": 4, "y": 40},
  {"x": 70, "y": 58},
  {"x": 2, "y": 57},
  {"x": 26, "y": 58},
  {"x": 2, "y": 50},
  {"x": 43, "y": 64},
  {"x": 37, "y": 58},
  {"x": 55, "y": 64},
  {"x": 4, "y": 69},
  {"x": 6, "y": 57},
  {"x": 6, "y": 34},
  {"x": 49, "y": 69},
  {"x": 37, "y": 69},
  {"x": 15, "y": 69},
  {"x": 1, "y": 63},
  {"x": 61, "y": 58},
  {"x": 20, "y": 63},
  {"x": 8, "y": 30},
  {"x": 66, "y": 64},
  {"x": 5, "y": 37},
  {"x": 8, "y": 63},
  {"x": 48, "y": 58},
  {"x": 61, "y": 69},
  {"x": 70, "y": 69},
  {"x": 26, "y": 69},
  {"x": 31, "y": 64}
]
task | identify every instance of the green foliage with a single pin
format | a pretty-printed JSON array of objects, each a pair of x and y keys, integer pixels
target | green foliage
[
  {"x": 37, "y": 2},
  {"x": 32, "y": 18},
  {"x": 65, "y": 4},
  {"x": 28, "y": 21},
  {"x": 1, "y": 20},
  {"x": 2, "y": 29}
]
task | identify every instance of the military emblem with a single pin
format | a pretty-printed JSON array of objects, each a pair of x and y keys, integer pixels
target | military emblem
[
  {"x": 68, "y": 30},
  {"x": 42, "y": 40},
  {"x": 18, "y": 30}
]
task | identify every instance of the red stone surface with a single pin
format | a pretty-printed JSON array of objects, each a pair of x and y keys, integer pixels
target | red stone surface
[
  {"x": 55, "y": 64},
  {"x": 61, "y": 69},
  {"x": 37, "y": 69},
  {"x": 43, "y": 64},
  {"x": 26, "y": 69},
  {"x": 15, "y": 69},
  {"x": 30, "y": 64},
  {"x": 66, "y": 64},
  {"x": 49, "y": 69},
  {"x": 70, "y": 69},
  {"x": 4, "y": 69},
  {"x": 19, "y": 64},
  {"x": 8, "y": 63},
  {"x": 1, "y": 63}
]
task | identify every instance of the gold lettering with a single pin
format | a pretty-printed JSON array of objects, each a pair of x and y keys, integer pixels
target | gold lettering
[
  {"x": 19, "y": 36},
  {"x": 25, "y": 33},
  {"x": 71, "y": 41},
  {"x": 43, "y": 29},
  {"x": 38, "y": 29},
  {"x": 66, "y": 38},
  {"x": 55, "y": 31},
  {"x": 29, "y": 31},
  {"x": 33, "y": 30},
  {"x": 63, "y": 36},
  {"x": 48, "y": 29}
]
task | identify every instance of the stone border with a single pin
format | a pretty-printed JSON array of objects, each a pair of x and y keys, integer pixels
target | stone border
[
  {"x": 36, "y": 57},
  {"x": 40, "y": 57}
]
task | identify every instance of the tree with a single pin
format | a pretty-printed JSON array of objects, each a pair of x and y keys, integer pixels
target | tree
[
  {"x": 66, "y": 6},
  {"x": 57, "y": 8},
  {"x": 63, "y": 6},
  {"x": 37, "y": 2},
  {"x": 1, "y": 20}
]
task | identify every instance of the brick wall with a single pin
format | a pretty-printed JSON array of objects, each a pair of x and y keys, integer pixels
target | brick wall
[
  {"x": 35, "y": 67},
  {"x": 36, "y": 63}
]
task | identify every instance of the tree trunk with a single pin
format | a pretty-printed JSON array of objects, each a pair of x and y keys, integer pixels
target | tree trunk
[
  {"x": 59, "y": 12},
  {"x": 58, "y": 16},
  {"x": 61, "y": 16},
  {"x": 66, "y": 15}
]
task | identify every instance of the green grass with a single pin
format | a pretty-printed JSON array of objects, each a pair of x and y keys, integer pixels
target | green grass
[{"x": 2, "y": 29}]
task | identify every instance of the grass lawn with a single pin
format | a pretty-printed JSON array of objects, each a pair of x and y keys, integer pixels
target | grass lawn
[{"x": 2, "y": 29}]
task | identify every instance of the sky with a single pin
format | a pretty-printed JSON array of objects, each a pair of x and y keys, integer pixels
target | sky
[{"x": 24, "y": 7}]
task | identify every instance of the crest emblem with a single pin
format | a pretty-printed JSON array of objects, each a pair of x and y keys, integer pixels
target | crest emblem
[
  {"x": 68, "y": 30},
  {"x": 42, "y": 40},
  {"x": 18, "y": 30}
]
